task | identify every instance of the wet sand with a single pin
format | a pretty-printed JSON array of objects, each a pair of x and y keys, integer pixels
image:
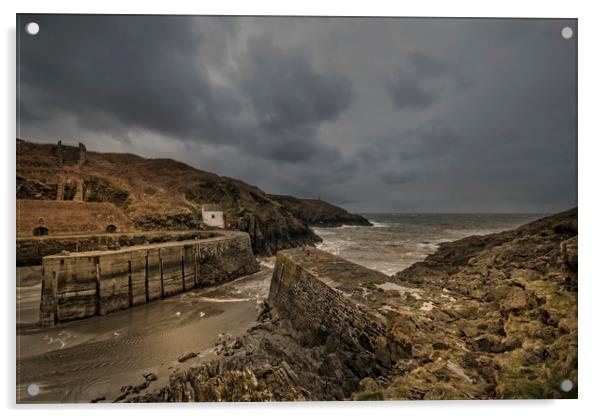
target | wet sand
[{"x": 91, "y": 358}]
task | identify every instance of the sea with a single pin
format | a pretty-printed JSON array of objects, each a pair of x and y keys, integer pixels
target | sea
[{"x": 396, "y": 240}]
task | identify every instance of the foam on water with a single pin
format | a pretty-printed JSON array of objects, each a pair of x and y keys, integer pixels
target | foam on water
[
  {"x": 396, "y": 241},
  {"x": 376, "y": 224},
  {"x": 267, "y": 262}
]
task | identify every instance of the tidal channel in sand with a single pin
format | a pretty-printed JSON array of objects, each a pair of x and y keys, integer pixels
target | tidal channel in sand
[{"x": 92, "y": 358}]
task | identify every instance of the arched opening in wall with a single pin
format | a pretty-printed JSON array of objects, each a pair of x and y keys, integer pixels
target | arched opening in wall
[
  {"x": 111, "y": 229},
  {"x": 40, "y": 231}
]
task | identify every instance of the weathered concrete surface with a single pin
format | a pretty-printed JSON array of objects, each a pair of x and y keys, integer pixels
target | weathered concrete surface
[
  {"x": 31, "y": 250},
  {"x": 82, "y": 284}
]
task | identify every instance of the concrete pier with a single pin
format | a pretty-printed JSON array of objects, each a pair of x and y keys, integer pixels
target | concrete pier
[{"x": 83, "y": 284}]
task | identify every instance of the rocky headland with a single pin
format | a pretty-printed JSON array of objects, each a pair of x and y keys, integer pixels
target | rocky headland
[
  {"x": 485, "y": 317},
  {"x": 316, "y": 212}
]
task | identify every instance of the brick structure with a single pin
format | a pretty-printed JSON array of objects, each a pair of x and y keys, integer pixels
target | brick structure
[{"x": 63, "y": 217}]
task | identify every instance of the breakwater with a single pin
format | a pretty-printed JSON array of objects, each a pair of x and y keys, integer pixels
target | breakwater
[{"x": 97, "y": 282}]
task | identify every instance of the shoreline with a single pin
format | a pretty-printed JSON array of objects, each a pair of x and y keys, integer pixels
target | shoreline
[
  {"x": 230, "y": 301},
  {"x": 457, "y": 340}
]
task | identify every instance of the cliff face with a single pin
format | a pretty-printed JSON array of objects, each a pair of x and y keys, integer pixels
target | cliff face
[
  {"x": 489, "y": 317},
  {"x": 158, "y": 193},
  {"x": 319, "y": 213}
]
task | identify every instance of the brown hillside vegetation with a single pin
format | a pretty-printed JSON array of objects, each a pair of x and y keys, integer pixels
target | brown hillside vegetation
[{"x": 159, "y": 193}]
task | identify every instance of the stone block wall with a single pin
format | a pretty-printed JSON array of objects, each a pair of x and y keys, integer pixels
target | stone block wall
[
  {"x": 31, "y": 250},
  {"x": 91, "y": 283},
  {"x": 321, "y": 295}
]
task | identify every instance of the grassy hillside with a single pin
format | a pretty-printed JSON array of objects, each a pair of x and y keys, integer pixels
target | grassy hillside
[{"x": 160, "y": 193}]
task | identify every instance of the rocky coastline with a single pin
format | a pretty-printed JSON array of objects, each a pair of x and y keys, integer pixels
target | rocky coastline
[
  {"x": 485, "y": 317},
  {"x": 318, "y": 213}
]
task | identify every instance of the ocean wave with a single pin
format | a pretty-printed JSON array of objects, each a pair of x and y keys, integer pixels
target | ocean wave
[
  {"x": 428, "y": 245},
  {"x": 334, "y": 247},
  {"x": 376, "y": 224},
  {"x": 323, "y": 232},
  {"x": 267, "y": 261},
  {"x": 461, "y": 233}
]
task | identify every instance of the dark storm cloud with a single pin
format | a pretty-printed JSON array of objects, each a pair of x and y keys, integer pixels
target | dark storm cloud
[
  {"x": 397, "y": 177},
  {"x": 375, "y": 114},
  {"x": 421, "y": 80},
  {"x": 287, "y": 93},
  {"x": 290, "y": 99},
  {"x": 115, "y": 73}
]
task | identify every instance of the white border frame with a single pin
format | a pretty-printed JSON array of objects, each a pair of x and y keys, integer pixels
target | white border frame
[{"x": 590, "y": 92}]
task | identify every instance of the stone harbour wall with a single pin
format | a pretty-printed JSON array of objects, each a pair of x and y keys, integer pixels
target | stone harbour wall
[
  {"x": 322, "y": 297},
  {"x": 31, "y": 250},
  {"x": 317, "y": 338},
  {"x": 84, "y": 284}
]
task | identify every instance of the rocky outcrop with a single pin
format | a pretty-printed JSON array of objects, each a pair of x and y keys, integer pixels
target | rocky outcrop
[
  {"x": 315, "y": 212},
  {"x": 271, "y": 226},
  {"x": 100, "y": 190},
  {"x": 275, "y": 229},
  {"x": 34, "y": 189},
  {"x": 491, "y": 317}
]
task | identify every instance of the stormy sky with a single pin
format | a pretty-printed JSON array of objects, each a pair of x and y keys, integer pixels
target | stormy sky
[{"x": 375, "y": 115}]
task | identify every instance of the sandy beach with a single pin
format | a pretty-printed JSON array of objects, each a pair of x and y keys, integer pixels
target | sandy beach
[{"x": 93, "y": 358}]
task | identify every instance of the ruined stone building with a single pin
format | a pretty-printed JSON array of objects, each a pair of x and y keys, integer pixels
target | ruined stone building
[{"x": 61, "y": 208}]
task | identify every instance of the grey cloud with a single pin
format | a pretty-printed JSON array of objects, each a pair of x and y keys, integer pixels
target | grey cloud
[
  {"x": 153, "y": 73},
  {"x": 396, "y": 178},
  {"x": 290, "y": 99},
  {"x": 376, "y": 114},
  {"x": 421, "y": 80},
  {"x": 286, "y": 91},
  {"x": 115, "y": 72}
]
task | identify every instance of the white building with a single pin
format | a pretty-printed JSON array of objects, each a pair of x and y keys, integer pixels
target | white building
[{"x": 213, "y": 215}]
